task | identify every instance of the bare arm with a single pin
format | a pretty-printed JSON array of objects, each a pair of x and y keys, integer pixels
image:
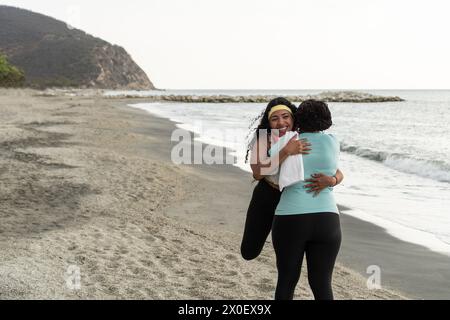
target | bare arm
[{"x": 339, "y": 177}]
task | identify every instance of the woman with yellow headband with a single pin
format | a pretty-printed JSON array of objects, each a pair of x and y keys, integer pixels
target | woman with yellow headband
[{"x": 277, "y": 119}]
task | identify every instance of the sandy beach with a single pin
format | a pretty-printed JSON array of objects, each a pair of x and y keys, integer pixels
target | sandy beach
[{"x": 87, "y": 183}]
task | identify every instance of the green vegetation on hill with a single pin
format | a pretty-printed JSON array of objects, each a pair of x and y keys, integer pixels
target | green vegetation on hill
[{"x": 10, "y": 76}]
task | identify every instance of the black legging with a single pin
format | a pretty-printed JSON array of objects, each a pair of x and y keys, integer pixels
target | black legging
[
  {"x": 259, "y": 219},
  {"x": 316, "y": 234}
]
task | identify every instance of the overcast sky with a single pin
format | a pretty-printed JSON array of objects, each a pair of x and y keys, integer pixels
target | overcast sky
[{"x": 277, "y": 44}]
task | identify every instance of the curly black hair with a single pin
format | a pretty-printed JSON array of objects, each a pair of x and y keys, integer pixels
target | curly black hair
[
  {"x": 313, "y": 115},
  {"x": 264, "y": 124}
]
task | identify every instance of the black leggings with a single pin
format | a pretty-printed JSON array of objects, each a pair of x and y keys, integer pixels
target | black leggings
[
  {"x": 316, "y": 234},
  {"x": 259, "y": 219}
]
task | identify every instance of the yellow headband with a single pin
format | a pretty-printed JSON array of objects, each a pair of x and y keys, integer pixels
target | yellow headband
[{"x": 278, "y": 108}]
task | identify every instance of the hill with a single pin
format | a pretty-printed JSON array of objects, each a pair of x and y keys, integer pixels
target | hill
[{"x": 53, "y": 54}]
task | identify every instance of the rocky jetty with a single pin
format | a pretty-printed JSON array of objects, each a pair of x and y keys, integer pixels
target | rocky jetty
[{"x": 328, "y": 96}]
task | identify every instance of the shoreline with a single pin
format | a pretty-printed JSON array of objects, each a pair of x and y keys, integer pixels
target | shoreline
[{"x": 86, "y": 184}]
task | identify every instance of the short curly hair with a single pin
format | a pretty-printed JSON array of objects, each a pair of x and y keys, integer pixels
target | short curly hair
[{"x": 313, "y": 115}]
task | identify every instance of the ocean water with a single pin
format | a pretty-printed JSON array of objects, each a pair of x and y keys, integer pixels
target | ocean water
[{"x": 395, "y": 156}]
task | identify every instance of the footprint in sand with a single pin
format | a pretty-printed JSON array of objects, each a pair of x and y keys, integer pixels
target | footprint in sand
[
  {"x": 113, "y": 265},
  {"x": 138, "y": 271},
  {"x": 265, "y": 285},
  {"x": 99, "y": 279},
  {"x": 229, "y": 285},
  {"x": 112, "y": 290},
  {"x": 231, "y": 257},
  {"x": 194, "y": 260},
  {"x": 150, "y": 238},
  {"x": 160, "y": 237},
  {"x": 147, "y": 263},
  {"x": 80, "y": 260},
  {"x": 150, "y": 293},
  {"x": 98, "y": 235},
  {"x": 230, "y": 273}
]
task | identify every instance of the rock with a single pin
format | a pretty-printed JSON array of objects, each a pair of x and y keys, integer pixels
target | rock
[{"x": 328, "y": 96}]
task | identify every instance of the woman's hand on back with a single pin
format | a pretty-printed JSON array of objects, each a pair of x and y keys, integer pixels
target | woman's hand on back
[
  {"x": 319, "y": 182},
  {"x": 294, "y": 146}
]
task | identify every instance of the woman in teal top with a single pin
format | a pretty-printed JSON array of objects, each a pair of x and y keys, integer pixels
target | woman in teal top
[{"x": 305, "y": 223}]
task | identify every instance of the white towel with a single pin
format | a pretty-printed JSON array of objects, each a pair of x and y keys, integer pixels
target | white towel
[{"x": 291, "y": 171}]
